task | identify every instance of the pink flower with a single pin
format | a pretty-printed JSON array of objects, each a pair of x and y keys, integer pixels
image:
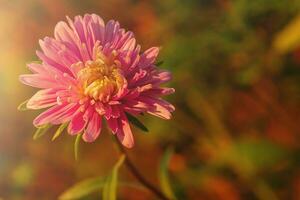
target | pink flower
[{"x": 91, "y": 70}]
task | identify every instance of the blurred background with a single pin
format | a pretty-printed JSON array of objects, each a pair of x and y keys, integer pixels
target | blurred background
[{"x": 235, "y": 131}]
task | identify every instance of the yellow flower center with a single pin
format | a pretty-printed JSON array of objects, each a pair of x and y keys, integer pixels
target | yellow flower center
[{"x": 101, "y": 78}]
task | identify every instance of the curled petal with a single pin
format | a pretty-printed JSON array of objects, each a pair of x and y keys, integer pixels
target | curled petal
[
  {"x": 58, "y": 52},
  {"x": 77, "y": 123},
  {"x": 96, "y": 27},
  {"x": 158, "y": 107},
  {"x": 124, "y": 38},
  {"x": 111, "y": 29},
  {"x": 52, "y": 114},
  {"x": 66, "y": 36},
  {"x": 124, "y": 133},
  {"x": 161, "y": 76},
  {"x": 156, "y": 92},
  {"x": 43, "y": 99},
  {"x": 93, "y": 128},
  {"x": 149, "y": 57},
  {"x": 67, "y": 115},
  {"x": 37, "y": 68},
  {"x": 38, "y": 81}
]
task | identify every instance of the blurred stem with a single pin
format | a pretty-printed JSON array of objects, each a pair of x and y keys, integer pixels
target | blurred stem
[{"x": 135, "y": 172}]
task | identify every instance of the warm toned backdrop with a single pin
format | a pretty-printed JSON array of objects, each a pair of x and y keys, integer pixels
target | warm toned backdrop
[{"x": 236, "y": 66}]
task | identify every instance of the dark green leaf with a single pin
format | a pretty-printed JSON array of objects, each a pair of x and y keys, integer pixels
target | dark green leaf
[
  {"x": 136, "y": 122},
  {"x": 22, "y": 106},
  {"x": 41, "y": 131},
  {"x": 110, "y": 186},
  {"x": 59, "y": 130},
  {"x": 159, "y": 63},
  {"x": 164, "y": 175}
]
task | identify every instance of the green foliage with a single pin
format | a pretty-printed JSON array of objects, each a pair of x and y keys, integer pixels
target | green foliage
[
  {"x": 88, "y": 186},
  {"x": 164, "y": 176},
  {"x": 41, "y": 131},
  {"x": 22, "y": 106},
  {"x": 110, "y": 186},
  {"x": 60, "y": 129},
  {"x": 249, "y": 157},
  {"x": 136, "y": 122},
  {"x": 76, "y": 146},
  {"x": 289, "y": 38},
  {"x": 83, "y": 188}
]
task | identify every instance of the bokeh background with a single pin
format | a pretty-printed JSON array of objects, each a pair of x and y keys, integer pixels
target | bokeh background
[{"x": 235, "y": 131}]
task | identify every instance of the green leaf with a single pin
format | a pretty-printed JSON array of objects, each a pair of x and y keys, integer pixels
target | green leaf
[
  {"x": 289, "y": 38},
  {"x": 136, "y": 122},
  {"x": 60, "y": 129},
  {"x": 41, "y": 131},
  {"x": 83, "y": 188},
  {"x": 164, "y": 175},
  {"x": 159, "y": 63},
  {"x": 90, "y": 185},
  {"x": 110, "y": 187},
  {"x": 76, "y": 146},
  {"x": 22, "y": 106}
]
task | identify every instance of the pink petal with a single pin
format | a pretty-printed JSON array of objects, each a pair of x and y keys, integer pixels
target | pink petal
[
  {"x": 43, "y": 99},
  {"x": 158, "y": 107},
  {"x": 93, "y": 128},
  {"x": 58, "y": 52},
  {"x": 66, "y": 36},
  {"x": 38, "y": 81},
  {"x": 156, "y": 92},
  {"x": 49, "y": 61},
  {"x": 161, "y": 76},
  {"x": 67, "y": 115},
  {"x": 115, "y": 111},
  {"x": 112, "y": 111},
  {"x": 80, "y": 25},
  {"x": 97, "y": 28},
  {"x": 77, "y": 124},
  {"x": 37, "y": 68},
  {"x": 136, "y": 105},
  {"x": 113, "y": 124},
  {"x": 156, "y": 78},
  {"x": 111, "y": 29},
  {"x": 79, "y": 30},
  {"x": 108, "y": 111},
  {"x": 129, "y": 45},
  {"x": 52, "y": 114},
  {"x": 123, "y": 39},
  {"x": 124, "y": 133},
  {"x": 132, "y": 94},
  {"x": 52, "y": 74},
  {"x": 149, "y": 57},
  {"x": 137, "y": 76}
]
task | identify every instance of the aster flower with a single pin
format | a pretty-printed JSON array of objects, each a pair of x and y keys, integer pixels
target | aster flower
[{"x": 92, "y": 71}]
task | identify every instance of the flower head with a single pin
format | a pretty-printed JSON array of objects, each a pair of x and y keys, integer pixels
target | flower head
[{"x": 92, "y": 71}]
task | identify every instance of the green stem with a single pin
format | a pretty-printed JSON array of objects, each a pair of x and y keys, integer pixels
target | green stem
[{"x": 134, "y": 171}]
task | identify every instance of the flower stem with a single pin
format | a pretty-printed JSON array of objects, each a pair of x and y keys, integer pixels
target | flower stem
[{"x": 135, "y": 172}]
